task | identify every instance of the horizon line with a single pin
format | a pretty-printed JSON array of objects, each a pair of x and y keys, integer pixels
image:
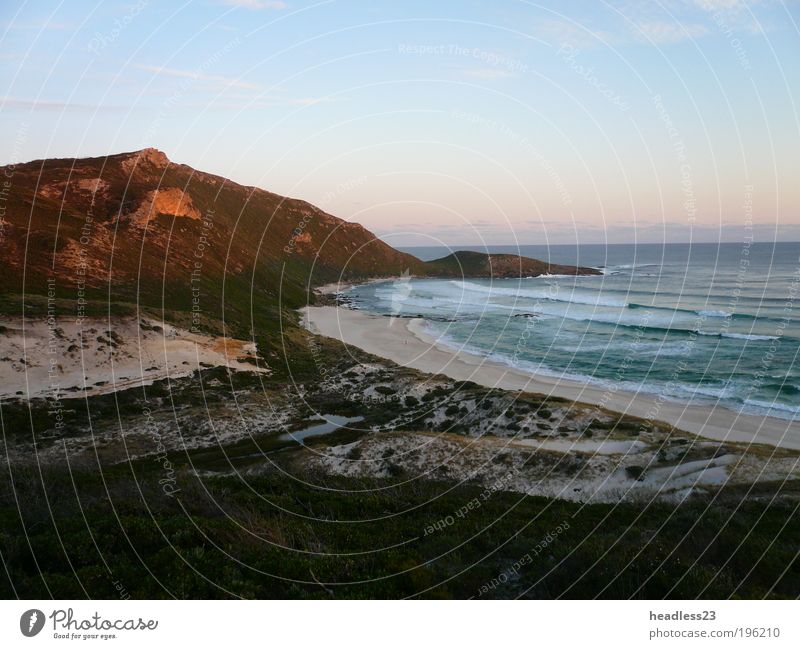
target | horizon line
[{"x": 636, "y": 243}]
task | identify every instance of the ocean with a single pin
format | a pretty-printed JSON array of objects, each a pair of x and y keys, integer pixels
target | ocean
[{"x": 709, "y": 324}]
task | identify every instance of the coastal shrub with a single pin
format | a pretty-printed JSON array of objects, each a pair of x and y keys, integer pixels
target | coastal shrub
[
  {"x": 533, "y": 459},
  {"x": 731, "y": 538},
  {"x": 394, "y": 470},
  {"x": 451, "y": 410},
  {"x": 411, "y": 401},
  {"x": 635, "y": 472},
  {"x": 544, "y": 413}
]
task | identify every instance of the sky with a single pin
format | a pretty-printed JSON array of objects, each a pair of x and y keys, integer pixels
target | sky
[{"x": 436, "y": 123}]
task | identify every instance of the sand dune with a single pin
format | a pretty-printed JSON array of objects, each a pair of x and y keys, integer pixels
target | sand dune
[{"x": 61, "y": 357}]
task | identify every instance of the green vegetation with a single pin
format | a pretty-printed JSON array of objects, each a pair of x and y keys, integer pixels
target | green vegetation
[
  {"x": 286, "y": 531},
  {"x": 318, "y": 537}
]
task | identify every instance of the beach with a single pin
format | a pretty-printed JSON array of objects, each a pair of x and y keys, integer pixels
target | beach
[{"x": 403, "y": 341}]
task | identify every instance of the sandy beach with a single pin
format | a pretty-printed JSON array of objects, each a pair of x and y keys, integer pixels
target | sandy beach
[{"x": 403, "y": 341}]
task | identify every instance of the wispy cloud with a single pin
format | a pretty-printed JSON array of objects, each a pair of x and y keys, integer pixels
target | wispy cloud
[
  {"x": 668, "y": 21},
  {"x": 257, "y": 4},
  {"x": 663, "y": 32},
  {"x": 262, "y": 102},
  {"x": 733, "y": 14},
  {"x": 720, "y": 5},
  {"x": 559, "y": 32},
  {"x": 43, "y": 104},
  {"x": 197, "y": 75}
]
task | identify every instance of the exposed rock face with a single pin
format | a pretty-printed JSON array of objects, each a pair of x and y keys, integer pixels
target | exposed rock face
[
  {"x": 149, "y": 158},
  {"x": 62, "y": 190},
  {"x": 170, "y": 201},
  {"x": 93, "y": 185}
]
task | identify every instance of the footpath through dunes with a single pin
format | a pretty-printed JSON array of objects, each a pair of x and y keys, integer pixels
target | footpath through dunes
[{"x": 404, "y": 341}]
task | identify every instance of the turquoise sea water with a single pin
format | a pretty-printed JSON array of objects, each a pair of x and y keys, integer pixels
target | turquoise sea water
[{"x": 706, "y": 323}]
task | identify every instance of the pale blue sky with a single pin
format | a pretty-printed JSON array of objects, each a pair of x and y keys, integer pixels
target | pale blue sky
[{"x": 436, "y": 122}]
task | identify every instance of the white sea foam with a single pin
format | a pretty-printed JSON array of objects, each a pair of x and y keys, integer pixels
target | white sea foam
[
  {"x": 772, "y": 406},
  {"x": 584, "y": 330},
  {"x": 729, "y": 334},
  {"x": 713, "y": 314},
  {"x": 574, "y": 298}
]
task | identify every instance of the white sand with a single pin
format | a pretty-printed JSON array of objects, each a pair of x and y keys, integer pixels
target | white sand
[
  {"x": 39, "y": 360},
  {"x": 404, "y": 342}
]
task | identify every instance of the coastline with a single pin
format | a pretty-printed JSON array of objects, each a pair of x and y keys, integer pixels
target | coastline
[
  {"x": 342, "y": 286},
  {"x": 402, "y": 341}
]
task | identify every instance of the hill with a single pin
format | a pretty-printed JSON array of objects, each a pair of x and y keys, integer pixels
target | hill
[
  {"x": 136, "y": 232},
  {"x": 137, "y": 227},
  {"x": 466, "y": 263}
]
